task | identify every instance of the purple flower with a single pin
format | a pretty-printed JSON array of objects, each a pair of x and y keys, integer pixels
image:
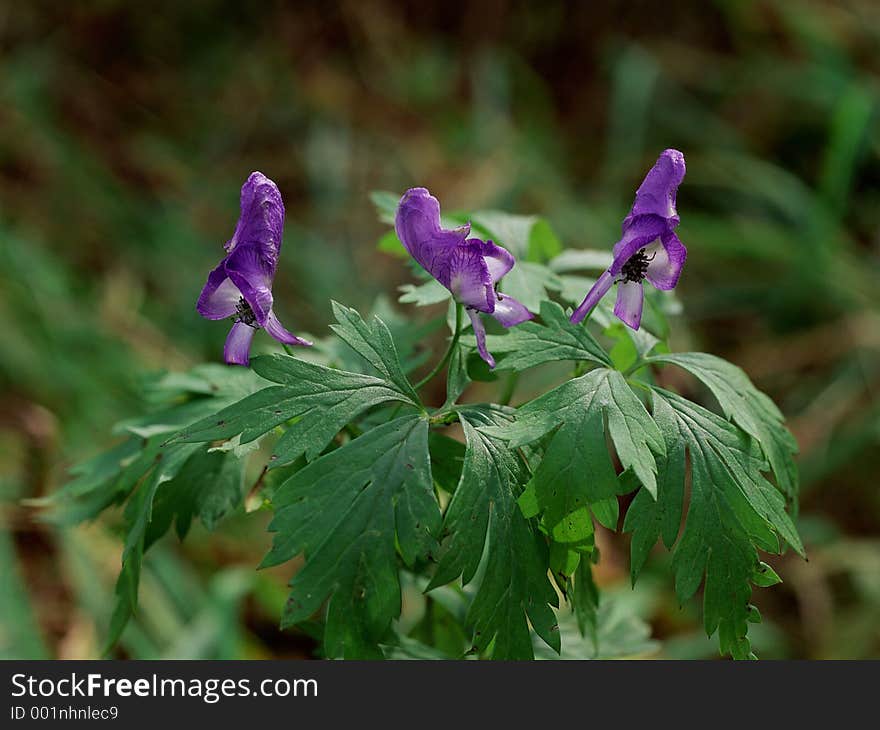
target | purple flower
[
  {"x": 638, "y": 254},
  {"x": 241, "y": 286},
  {"x": 469, "y": 267}
]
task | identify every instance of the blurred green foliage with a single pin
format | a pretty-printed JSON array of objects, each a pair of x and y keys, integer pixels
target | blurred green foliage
[{"x": 127, "y": 129}]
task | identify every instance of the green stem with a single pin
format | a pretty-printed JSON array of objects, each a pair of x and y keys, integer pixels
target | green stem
[
  {"x": 452, "y": 345},
  {"x": 635, "y": 367},
  {"x": 509, "y": 387}
]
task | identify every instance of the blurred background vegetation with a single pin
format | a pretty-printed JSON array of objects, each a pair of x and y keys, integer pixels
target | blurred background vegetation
[{"x": 126, "y": 130}]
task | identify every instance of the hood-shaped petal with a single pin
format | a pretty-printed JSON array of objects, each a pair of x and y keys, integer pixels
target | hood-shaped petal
[
  {"x": 653, "y": 216},
  {"x": 469, "y": 267},
  {"x": 656, "y": 195},
  {"x": 261, "y": 222},
  {"x": 418, "y": 227},
  {"x": 252, "y": 255},
  {"x": 241, "y": 285}
]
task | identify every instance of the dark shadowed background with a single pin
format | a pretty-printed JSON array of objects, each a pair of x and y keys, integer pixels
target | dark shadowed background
[{"x": 126, "y": 130}]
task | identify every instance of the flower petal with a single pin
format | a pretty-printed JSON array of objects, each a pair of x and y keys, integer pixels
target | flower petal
[
  {"x": 598, "y": 290},
  {"x": 509, "y": 312},
  {"x": 669, "y": 258},
  {"x": 628, "y": 307},
  {"x": 639, "y": 233},
  {"x": 219, "y": 296},
  {"x": 237, "y": 349},
  {"x": 656, "y": 194},
  {"x": 480, "y": 333},
  {"x": 465, "y": 274},
  {"x": 249, "y": 271},
  {"x": 261, "y": 222},
  {"x": 278, "y": 331},
  {"x": 498, "y": 259},
  {"x": 418, "y": 227}
]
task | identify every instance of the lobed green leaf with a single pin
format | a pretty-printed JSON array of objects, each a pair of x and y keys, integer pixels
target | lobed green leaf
[
  {"x": 483, "y": 518},
  {"x": 321, "y": 399},
  {"x": 746, "y": 406},
  {"x": 734, "y": 511},
  {"x": 345, "y": 512},
  {"x": 552, "y": 339}
]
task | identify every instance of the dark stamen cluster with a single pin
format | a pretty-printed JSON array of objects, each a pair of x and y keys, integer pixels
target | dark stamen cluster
[
  {"x": 245, "y": 314},
  {"x": 636, "y": 266}
]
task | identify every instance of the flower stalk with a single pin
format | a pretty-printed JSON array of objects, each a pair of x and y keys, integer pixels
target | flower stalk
[{"x": 453, "y": 343}]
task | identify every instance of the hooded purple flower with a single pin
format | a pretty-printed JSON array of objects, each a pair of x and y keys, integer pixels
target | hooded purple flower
[
  {"x": 241, "y": 286},
  {"x": 469, "y": 267},
  {"x": 638, "y": 255}
]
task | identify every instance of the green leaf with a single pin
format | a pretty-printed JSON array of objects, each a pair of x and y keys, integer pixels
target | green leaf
[
  {"x": 580, "y": 408},
  {"x": 484, "y": 518},
  {"x": 110, "y": 477},
  {"x": 322, "y": 400},
  {"x": 209, "y": 379},
  {"x": 440, "y": 633},
  {"x": 111, "y": 481},
  {"x": 138, "y": 513},
  {"x": 563, "y": 560},
  {"x": 607, "y": 511},
  {"x": 423, "y": 295},
  {"x": 648, "y": 517},
  {"x": 506, "y": 229},
  {"x": 528, "y": 237},
  {"x": 97, "y": 471},
  {"x": 457, "y": 376},
  {"x": 764, "y": 576},
  {"x": 409, "y": 336},
  {"x": 386, "y": 205},
  {"x": 585, "y": 602},
  {"x": 554, "y": 338},
  {"x": 544, "y": 244},
  {"x": 746, "y": 406},
  {"x": 619, "y": 634},
  {"x": 529, "y": 283},
  {"x": 208, "y": 486},
  {"x": 447, "y": 459},
  {"x": 528, "y": 501},
  {"x": 572, "y": 259},
  {"x": 733, "y": 512},
  {"x": 345, "y": 512},
  {"x": 576, "y": 471},
  {"x": 389, "y": 243},
  {"x": 374, "y": 343}
]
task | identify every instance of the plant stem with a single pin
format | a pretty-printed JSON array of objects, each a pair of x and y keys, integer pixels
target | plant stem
[
  {"x": 635, "y": 367},
  {"x": 509, "y": 387},
  {"x": 452, "y": 345}
]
